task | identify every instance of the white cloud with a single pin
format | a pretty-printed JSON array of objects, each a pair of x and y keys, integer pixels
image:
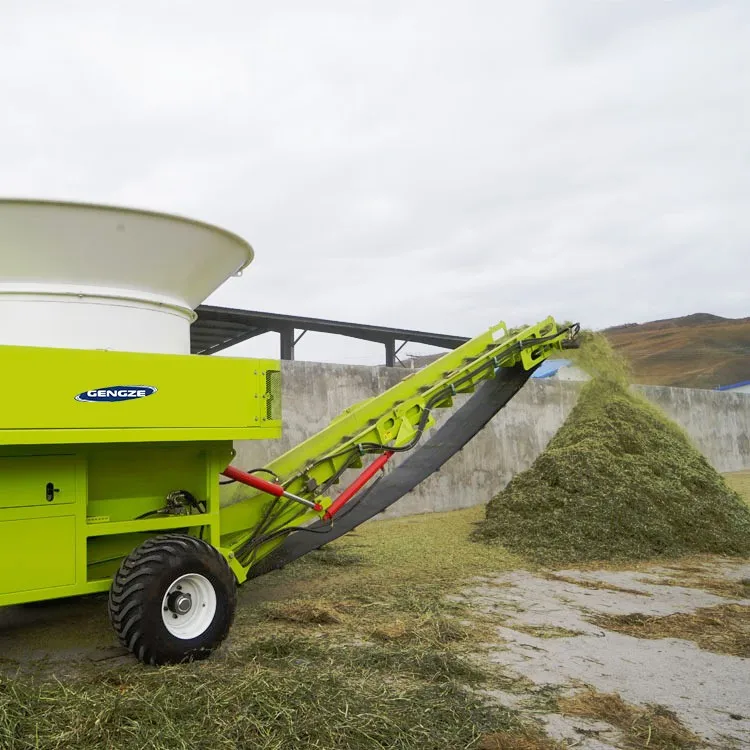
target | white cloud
[{"x": 425, "y": 165}]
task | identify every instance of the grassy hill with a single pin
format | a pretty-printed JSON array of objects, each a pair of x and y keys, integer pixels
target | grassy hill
[{"x": 695, "y": 351}]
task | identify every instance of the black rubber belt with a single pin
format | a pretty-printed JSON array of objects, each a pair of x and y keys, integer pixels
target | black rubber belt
[{"x": 448, "y": 440}]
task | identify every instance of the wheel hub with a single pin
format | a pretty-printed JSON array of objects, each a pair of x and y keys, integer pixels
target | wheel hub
[
  {"x": 189, "y": 606},
  {"x": 180, "y": 603}
]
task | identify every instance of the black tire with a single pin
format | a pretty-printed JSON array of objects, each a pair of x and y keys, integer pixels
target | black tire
[{"x": 142, "y": 586}]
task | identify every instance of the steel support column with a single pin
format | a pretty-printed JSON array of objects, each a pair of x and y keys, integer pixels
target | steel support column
[
  {"x": 286, "y": 336},
  {"x": 390, "y": 353}
]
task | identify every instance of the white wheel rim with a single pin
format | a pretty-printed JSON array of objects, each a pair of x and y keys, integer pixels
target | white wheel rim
[{"x": 189, "y": 606}]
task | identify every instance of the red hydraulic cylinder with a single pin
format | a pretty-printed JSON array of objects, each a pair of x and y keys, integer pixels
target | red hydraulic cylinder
[
  {"x": 252, "y": 481},
  {"x": 357, "y": 484},
  {"x": 263, "y": 485}
]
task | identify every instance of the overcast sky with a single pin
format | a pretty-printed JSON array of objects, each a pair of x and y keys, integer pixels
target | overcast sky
[{"x": 430, "y": 165}]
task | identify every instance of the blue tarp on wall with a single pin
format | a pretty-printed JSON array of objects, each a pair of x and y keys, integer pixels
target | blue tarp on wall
[{"x": 549, "y": 367}]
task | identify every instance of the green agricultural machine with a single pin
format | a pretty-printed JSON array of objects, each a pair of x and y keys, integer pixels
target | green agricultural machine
[{"x": 115, "y": 440}]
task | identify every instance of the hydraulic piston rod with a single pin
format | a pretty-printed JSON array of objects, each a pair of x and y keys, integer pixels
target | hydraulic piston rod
[{"x": 232, "y": 472}]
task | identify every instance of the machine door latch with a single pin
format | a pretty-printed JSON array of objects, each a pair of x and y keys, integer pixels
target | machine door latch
[{"x": 51, "y": 489}]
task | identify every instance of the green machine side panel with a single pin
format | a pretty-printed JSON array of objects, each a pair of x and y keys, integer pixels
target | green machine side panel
[
  {"x": 68, "y": 515},
  {"x": 46, "y": 481},
  {"x": 39, "y": 510},
  {"x": 193, "y": 398},
  {"x": 37, "y": 553}
]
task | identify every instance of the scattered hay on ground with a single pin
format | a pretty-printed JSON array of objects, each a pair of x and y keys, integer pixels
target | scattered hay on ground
[
  {"x": 334, "y": 557},
  {"x": 524, "y": 739},
  {"x": 544, "y": 631},
  {"x": 588, "y": 583},
  {"x": 724, "y": 629},
  {"x": 436, "y": 629},
  {"x": 738, "y": 588},
  {"x": 619, "y": 481},
  {"x": 280, "y": 691},
  {"x": 653, "y": 727},
  {"x": 306, "y": 611}
]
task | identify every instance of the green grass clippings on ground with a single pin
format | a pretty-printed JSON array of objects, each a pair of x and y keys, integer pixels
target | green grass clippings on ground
[
  {"x": 653, "y": 727},
  {"x": 723, "y": 629},
  {"x": 351, "y": 647}
]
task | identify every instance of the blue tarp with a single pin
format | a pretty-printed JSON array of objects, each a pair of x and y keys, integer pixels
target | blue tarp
[
  {"x": 734, "y": 385},
  {"x": 549, "y": 367}
]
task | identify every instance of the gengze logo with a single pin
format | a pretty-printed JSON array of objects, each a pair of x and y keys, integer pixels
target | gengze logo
[{"x": 117, "y": 393}]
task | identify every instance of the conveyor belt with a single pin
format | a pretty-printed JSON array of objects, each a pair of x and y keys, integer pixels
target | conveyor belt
[{"x": 490, "y": 397}]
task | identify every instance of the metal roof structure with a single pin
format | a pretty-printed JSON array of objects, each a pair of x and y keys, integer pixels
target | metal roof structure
[{"x": 218, "y": 328}]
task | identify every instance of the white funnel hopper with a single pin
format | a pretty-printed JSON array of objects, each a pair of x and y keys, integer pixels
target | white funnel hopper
[{"x": 98, "y": 277}]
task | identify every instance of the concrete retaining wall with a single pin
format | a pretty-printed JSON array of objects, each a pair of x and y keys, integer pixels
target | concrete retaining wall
[{"x": 314, "y": 393}]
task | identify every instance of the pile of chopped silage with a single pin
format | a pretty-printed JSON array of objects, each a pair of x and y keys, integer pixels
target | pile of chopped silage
[{"x": 619, "y": 481}]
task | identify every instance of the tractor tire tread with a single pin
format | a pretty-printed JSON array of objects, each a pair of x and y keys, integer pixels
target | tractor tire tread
[{"x": 140, "y": 572}]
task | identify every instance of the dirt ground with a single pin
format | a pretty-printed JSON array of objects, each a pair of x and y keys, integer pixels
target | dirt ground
[{"x": 658, "y": 645}]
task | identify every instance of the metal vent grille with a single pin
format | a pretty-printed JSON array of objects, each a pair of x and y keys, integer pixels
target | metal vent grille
[{"x": 273, "y": 394}]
